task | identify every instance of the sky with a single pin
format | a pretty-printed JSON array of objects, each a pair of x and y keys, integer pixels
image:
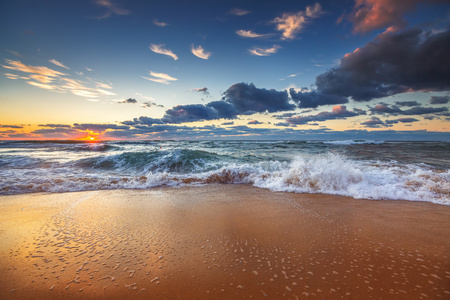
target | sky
[{"x": 329, "y": 70}]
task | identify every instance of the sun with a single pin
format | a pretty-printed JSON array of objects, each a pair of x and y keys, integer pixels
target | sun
[{"x": 91, "y": 138}]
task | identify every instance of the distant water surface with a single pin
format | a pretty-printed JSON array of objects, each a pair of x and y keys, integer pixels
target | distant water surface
[{"x": 416, "y": 171}]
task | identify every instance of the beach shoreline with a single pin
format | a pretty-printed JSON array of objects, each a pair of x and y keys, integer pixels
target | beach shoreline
[{"x": 221, "y": 241}]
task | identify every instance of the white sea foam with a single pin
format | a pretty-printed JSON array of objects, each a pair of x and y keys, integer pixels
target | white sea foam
[{"x": 298, "y": 167}]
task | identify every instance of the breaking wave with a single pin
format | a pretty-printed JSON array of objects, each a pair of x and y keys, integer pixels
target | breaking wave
[{"x": 327, "y": 172}]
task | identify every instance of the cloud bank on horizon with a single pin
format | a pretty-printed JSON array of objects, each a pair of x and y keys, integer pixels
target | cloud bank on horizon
[{"x": 360, "y": 89}]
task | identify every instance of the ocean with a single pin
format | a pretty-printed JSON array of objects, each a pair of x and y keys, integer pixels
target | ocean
[{"x": 379, "y": 170}]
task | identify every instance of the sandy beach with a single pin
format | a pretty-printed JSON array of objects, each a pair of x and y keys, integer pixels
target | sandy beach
[{"x": 221, "y": 242}]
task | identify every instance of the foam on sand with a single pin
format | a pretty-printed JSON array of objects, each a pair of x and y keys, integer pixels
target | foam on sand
[{"x": 221, "y": 241}]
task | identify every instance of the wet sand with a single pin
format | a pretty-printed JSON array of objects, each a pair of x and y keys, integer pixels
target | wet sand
[{"x": 221, "y": 242}]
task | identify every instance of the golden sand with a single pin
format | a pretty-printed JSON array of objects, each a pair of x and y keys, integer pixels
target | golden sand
[{"x": 221, "y": 242}]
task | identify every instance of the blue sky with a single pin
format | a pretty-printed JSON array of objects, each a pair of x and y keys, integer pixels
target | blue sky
[{"x": 224, "y": 69}]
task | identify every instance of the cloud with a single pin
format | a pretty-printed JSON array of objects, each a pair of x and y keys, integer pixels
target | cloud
[
  {"x": 227, "y": 123},
  {"x": 104, "y": 85},
  {"x": 312, "y": 99},
  {"x": 11, "y": 76},
  {"x": 41, "y": 85},
  {"x": 19, "y": 66},
  {"x": 129, "y": 100},
  {"x": 160, "y": 77},
  {"x": 55, "y": 62},
  {"x": 383, "y": 68},
  {"x": 161, "y": 50},
  {"x": 55, "y": 125},
  {"x": 203, "y": 90},
  {"x": 111, "y": 9},
  {"x": 247, "y": 99},
  {"x": 250, "y": 34},
  {"x": 238, "y": 12},
  {"x": 369, "y": 15},
  {"x": 99, "y": 127},
  {"x": 395, "y": 110},
  {"x": 149, "y": 104},
  {"x": 254, "y": 122},
  {"x": 160, "y": 24},
  {"x": 190, "y": 113},
  {"x": 42, "y": 78},
  {"x": 238, "y": 99},
  {"x": 407, "y": 120},
  {"x": 291, "y": 23},
  {"x": 282, "y": 124},
  {"x": 375, "y": 122},
  {"x": 200, "y": 52},
  {"x": 15, "y": 53},
  {"x": 440, "y": 99},
  {"x": 142, "y": 121},
  {"x": 11, "y": 126},
  {"x": 338, "y": 112},
  {"x": 407, "y": 103},
  {"x": 264, "y": 51}
]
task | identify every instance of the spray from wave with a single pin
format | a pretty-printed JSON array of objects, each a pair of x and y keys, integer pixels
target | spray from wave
[{"x": 288, "y": 166}]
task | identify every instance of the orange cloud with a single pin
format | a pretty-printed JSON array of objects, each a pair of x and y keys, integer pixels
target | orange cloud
[
  {"x": 375, "y": 14},
  {"x": 19, "y": 66}
]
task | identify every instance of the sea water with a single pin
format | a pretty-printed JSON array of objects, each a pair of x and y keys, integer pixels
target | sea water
[{"x": 416, "y": 171}]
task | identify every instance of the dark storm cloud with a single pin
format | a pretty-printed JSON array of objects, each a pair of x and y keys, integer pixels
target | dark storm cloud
[
  {"x": 407, "y": 103},
  {"x": 407, "y": 120},
  {"x": 142, "y": 121},
  {"x": 439, "y": 99},
  {"x": 99, "y": 127},
  {"x": 56, "y": 131},
  {"x": 413, "y": 60},
  {"x": 11, "y": 126},
  {"x": 338, "y": 112},
  {"x": 374, "y": 122},
  {"x": 384, "y": 108},
  {"x": 239, "y": 99},
  {"x": 189, "y": 113},
  {"x": 248, "y": 99},
  {"x": 313, "y": 99},
  {"x": 129, "y": 100},
  {"x": 55, "y": 125},
  {"x": 424, "y": 110}
]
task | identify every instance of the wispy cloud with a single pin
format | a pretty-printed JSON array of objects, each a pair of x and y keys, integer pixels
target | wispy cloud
[
  {"x": 200, "y": 52},
  {"x": 264, "y": 51},
  {"x": 250, "y": 34},
  {"x": 160, "y": 24},
  {"x": 103, "y": 85},
  {"x": 11, "y": 76},
  {"x": 49, "y": 79},
  {"x": 161, "y": 50},
  {"x": 19, "y": 66},
  {"x": 160, "y": 77},
  {"x": 15, "y": 53},
  {"x": 42, "y": 78},
  {"x": 59, "y": 64},
  {"x": 111, "y": 9},
  {"x": 238, "y": 12},
  {"x": 291, "y": 23},
  {"x": 41, "y": 85}
]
